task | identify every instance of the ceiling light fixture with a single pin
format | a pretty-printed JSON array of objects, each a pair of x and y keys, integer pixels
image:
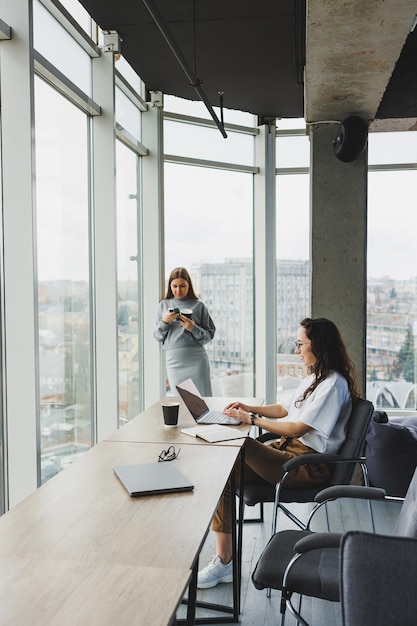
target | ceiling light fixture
[{"x": 193, "y": 80}]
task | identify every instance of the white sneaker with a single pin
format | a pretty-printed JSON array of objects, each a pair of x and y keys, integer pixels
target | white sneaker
[{"x": 214, "y": 573}]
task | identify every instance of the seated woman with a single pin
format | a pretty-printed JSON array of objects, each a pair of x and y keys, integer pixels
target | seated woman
[{"x": 313, "y": 420}]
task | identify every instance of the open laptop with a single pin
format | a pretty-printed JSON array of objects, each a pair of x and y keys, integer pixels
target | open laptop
[
  {"x": 199, "y": 409},
  {"x": 149, "y": 479}
]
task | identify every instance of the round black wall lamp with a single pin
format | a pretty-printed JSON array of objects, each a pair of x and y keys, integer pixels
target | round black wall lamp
[{"x": 351, "y": 138}]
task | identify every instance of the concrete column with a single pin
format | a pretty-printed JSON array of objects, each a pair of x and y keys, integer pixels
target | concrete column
[{"x": 338, "y": 244}]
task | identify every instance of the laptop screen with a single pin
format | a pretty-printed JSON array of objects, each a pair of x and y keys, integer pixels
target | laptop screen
[{"x": 192, "y": 399}]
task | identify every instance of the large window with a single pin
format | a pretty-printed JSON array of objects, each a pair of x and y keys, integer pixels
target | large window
[
  {"x": 392, "y": 272},
  {"x": 293, "y": 249},
  {"x": 62, "y": 192},
  {"x": 209, "y": 230},
  {"x": 54, "y": 43},
  {"x": 207, "y": 143}
]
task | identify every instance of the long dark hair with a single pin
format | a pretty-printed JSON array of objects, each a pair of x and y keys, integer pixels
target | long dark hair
[
  {"x": 330, "y": 351},
  {"x": 180, "y": 272}
]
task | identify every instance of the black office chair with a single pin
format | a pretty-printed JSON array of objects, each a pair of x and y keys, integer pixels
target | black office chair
[
  {"x": 344, "y": 463},
  {"x": 391, "y": 452},
  {"x": 308, "y": 563},
  {"x": 391, "y": 564}
]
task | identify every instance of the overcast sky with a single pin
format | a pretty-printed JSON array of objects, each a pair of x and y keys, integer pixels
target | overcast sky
[{"x": 209, "y": 212}]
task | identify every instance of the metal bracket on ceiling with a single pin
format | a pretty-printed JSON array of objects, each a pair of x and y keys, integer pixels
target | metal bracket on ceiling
[
  {"x": 157, "y": 99},
  {"x": 269, "y": 122},
  {"x": 112, "y": 41},
  {"x": 192, "y": 78}
]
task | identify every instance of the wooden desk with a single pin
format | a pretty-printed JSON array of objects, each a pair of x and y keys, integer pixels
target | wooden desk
[
  {"x": 65, "y": 593},
  {"x": 85, "y": 514},
  {"x": 149, "y": 425},
  {"x": 81, "y": 550}
]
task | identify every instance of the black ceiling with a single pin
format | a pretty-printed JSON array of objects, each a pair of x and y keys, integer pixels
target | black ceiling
[
  {"x": 253, "y": 52},
  {"x": 400, "y": 97}
]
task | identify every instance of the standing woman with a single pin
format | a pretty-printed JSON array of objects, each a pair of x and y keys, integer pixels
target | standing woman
[{"x": 183, "y": 337}]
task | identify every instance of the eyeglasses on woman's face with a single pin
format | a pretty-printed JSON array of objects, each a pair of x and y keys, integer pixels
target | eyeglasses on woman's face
[{"x": 298, "y": 344}]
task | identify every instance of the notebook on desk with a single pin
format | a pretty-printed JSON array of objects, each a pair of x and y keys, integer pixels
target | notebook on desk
[
  {"x": 149, "y": 479},
  {"x": 199, "y": 409},
  {"x": 214, "y": 433}
]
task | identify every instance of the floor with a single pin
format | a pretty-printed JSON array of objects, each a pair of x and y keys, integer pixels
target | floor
[{"x": 256, "y": 608}]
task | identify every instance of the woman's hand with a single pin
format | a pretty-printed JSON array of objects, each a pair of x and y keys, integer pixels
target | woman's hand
[
  {"x": 186, "y": 322},
  {"x": 238, "y": 413},
  {"x": 169, "y": 317},
  {"x": 237, "y": 405}
]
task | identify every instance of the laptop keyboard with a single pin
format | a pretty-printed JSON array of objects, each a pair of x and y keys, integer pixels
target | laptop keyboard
[{"x": 217, "y": 417}]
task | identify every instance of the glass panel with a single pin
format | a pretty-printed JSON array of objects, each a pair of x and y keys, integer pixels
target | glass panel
[
  {"x": 127, "y": 114},
  {"x": 392, "y": 289},
  {"x": 129, "y": 73},
  {"x": 295, "y": 123},
  {"x": 293, "y": 152},
  {"x": 208, "y": 230},
  {"x": 293, "y": 282},
  {"x": 63, "y": 279},
  {"x": 127, "y": 280},
  {"x": 55, "y": 44},
  {"x": 197, "y": 108},
  {"x": 78, "y": 12},
  {"x": 392, "y": 148},
  {"x": 207, "y": 143}
]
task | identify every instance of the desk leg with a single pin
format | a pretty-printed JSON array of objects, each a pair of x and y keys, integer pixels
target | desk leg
[
  {"x": 237, "y": 528},
  {"x": 192, "y": 596},
  {"x": 240, "y": 527},
  {"x": 236, "y": 540}
]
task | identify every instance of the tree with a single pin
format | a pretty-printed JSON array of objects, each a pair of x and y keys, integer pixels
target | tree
[{"x": 405, "y": 362}]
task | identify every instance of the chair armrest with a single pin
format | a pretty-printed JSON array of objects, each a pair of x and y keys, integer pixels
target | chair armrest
[
  {"x": 318, "y": 457},
  {"x": 307, "y": 459},
  {"x": 310, "y": 458},
  {"x": 317, "y": 541},
  {"x": 350, "y": 491},
  {"x": 267, "y": 436}
]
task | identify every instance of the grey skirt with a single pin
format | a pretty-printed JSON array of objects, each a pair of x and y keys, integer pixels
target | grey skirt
[{"x": 183, "y": 363}]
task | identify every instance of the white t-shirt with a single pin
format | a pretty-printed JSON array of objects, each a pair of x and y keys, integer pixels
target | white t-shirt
[{"x": 326, "y": 410}]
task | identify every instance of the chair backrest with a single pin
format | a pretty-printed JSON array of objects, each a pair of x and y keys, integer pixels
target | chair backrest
[
  {"x": 406, "y": 525},
  {"x": 391, "y": 452},
  {"x": 353, "y": 445},
  {"x": 378, "y": 575}
]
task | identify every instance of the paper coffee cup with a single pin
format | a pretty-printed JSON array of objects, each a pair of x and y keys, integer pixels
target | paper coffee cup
[
  {"x": 187, "y": 313},
  {"x": 170, "y": 412}
]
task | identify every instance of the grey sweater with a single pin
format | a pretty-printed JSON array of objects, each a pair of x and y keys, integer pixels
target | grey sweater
[{"x": 173, "y": 335}]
